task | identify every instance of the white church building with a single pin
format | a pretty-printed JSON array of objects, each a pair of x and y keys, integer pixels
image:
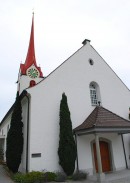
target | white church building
[{"x": 99, "y": 105}]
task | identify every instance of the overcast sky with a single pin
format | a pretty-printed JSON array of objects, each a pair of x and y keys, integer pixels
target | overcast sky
[{"x": 60, "y": 28}]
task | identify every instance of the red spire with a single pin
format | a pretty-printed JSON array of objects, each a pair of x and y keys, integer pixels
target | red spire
[{"x": 30, "y": 59}]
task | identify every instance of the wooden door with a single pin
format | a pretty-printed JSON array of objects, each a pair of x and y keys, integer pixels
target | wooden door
[{"x": 105, "y": 156}]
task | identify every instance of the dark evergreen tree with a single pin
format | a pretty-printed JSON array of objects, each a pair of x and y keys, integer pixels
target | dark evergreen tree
[
  {"x": 15, "y": 138},
  {"x": 67, "y": 148}
]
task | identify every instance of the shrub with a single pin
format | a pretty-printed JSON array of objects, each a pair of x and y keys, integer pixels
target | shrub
[
  {"x": 19, "y": 177},
  {"x": 30, "y": 177},
  {"x": 34, "y": 176},
  {"x": 60, "y": 177},
  {"x": 49, "y": 176},
  {"x": 79, "y": 175}
]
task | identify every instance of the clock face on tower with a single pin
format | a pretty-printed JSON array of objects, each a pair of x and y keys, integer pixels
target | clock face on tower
[{"x": 33, "y": 72}]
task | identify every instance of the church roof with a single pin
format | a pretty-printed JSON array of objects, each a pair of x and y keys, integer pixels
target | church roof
[
  {"x": 30, "y": 58},
  {"x": 103, "y": 118}
]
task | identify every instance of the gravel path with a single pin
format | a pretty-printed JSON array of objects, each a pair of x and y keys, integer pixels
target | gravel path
[{"x": 4, "y": 178}]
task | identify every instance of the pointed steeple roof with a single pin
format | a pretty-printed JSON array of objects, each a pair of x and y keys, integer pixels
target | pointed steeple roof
[{"x": 30, "y": 58}]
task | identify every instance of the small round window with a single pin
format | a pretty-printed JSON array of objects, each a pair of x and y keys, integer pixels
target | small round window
[{"x": 91, "y": 61}]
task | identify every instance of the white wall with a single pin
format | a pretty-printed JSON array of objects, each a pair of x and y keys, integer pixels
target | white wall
[
  {"x": 24, "y": 82},
  {"x": 4, "y": 130},
  {"x": 73, "y": 77},
  {"x": 85, "y": 153}
]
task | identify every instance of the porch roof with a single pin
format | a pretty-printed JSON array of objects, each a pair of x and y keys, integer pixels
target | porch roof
[{"x": 103, "y": 120}]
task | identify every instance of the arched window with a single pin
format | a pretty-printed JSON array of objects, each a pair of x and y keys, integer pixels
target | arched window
[
  {"x": 94, "y": 93},
  {"x": 32, "y": 83}
]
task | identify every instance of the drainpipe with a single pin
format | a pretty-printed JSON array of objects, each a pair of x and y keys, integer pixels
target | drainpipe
[
  {"x": 77, "y": 153},
  {"x": 124, "y": 151},
  {"x": 27, "y": 143}
]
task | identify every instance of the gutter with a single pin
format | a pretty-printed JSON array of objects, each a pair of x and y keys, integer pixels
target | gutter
[
  {"x": 27, "y": 143},
  {"x": 77, "y": 161},
  {"x": 124, "y": 151}
]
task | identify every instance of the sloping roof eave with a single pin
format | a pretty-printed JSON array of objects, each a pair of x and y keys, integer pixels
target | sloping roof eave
[
  {"x": 12, "y": 107},
  {"x": 93, "y": 130},
  {"x": 101, "y": 119}
]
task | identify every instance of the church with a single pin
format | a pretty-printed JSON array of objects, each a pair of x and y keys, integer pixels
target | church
[{"x": 99, "y": 105}]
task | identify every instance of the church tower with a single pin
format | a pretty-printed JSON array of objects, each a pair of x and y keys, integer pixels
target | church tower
[{"x": 29, "y": 74}]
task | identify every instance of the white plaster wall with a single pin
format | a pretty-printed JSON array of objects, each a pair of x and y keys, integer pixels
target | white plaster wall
[
  {"x": 118, "y": 153},
  {"x": 44, "y": 139},
  {"x": 85, "y": 153},
  {"x": 73, "y": 77},
  {"x": 25, "y": 82},
  {"x": 4, "y": 130}
]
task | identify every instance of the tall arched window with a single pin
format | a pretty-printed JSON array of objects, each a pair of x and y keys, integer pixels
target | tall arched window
[{"x": 94, "y": 93}]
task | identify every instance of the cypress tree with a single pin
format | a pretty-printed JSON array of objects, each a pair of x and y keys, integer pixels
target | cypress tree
[
  {"x": 67, "y": 148},
  {"x": 15, "y": 138}
]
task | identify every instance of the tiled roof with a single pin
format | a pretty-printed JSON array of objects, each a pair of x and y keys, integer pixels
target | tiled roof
[{"x": 101, "y": 117}]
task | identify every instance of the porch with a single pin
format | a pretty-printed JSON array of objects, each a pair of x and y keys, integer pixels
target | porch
[{"x": 100, "y": 124}]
